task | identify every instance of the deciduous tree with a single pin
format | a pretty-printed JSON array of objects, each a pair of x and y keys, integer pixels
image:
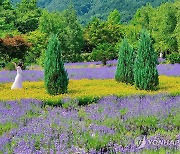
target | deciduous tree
[{"x": 13, "y": 47}]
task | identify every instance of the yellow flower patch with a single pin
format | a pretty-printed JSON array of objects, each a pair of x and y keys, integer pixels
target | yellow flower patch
[{"x": 86, "y": 88}]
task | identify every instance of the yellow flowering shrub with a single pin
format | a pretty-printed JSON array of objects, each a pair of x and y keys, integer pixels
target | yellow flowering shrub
[{"x": 86, "y": 88}]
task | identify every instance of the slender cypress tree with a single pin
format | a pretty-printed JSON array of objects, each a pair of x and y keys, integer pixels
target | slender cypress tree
[
  {"x": 124, "y": 71},
  {"x": 145, "y": 71},
  {"x": 56, "y": 77}
]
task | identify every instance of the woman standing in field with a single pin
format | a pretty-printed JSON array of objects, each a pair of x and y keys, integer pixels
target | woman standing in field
[{"x": 18, "y": 80}]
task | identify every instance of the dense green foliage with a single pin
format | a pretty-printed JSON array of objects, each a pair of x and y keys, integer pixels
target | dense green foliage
[
  {"x": 163, "y": 26},
  {"x": 103, "y": 52},
  {"x": 145, "y": 71},
  {"x": 27, "y": 16},
  {"x": 98, "y": 32},
  {"x": 56, "y": 77},
  {"x": 174, "y": 58},
  {"x": 71, "y": 36},
  {"x": 87, "y": 9},
  {"x": 7, "y": 17},
  {"x": 162, "y": 23},
  {"x": 177, "y": 29},
  {"x": 104, "y": 28},
  {"x": 38, "y": 42},
  {"x": 69, "y": 32},
  {"x": 124, "y": 71},
  {"x": 102, "y": 37}
]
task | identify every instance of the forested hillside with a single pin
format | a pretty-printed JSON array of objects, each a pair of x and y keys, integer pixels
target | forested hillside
[
  {"x": 26, "y": 29},
  {"x": 86, "y": 9}
]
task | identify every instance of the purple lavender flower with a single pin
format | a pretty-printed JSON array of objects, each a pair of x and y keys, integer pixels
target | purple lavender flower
[
  {"x": 103, "y": 72},
  {"x": 90, "y": 129},
  {"x": 169, "y": 69}
]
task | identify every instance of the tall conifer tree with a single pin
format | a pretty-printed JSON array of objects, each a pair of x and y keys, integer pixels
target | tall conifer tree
[
  {"x": 56, "y": 77},
  {"x": 145, "y": 71},
  {"x": 124, "y": 71}
]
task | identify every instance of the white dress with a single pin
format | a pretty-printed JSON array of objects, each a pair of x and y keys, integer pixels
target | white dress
[{"x": 18, "y": 80}]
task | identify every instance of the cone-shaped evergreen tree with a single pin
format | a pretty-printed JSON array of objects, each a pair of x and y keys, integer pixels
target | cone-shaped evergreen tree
[
  {"x": 124, "y": 71},
  {"x": 145, "y": 71},
  {"x": 56, "y": 77}
]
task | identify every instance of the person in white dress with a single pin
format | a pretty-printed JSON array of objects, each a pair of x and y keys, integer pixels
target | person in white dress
[{"x": 18, "y": 80}]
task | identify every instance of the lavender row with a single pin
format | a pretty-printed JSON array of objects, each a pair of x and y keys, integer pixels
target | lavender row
[
  {"x": 96, "y": 63},
  {"x": 89, "y": 73},
  {"x": 28, "y": 75},
  {"x": 97, "y": 128}
]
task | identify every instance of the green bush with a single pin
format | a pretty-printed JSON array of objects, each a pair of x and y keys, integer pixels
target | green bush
[
  {"x": 174, "y": 58},
  {"x": 124, "y": 71},
  {"x": 56, "y": 77},
  {"x": 87, "y": 100},
  {"x": 145, "y": 71}
]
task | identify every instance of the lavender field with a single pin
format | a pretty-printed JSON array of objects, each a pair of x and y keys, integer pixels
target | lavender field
[
  {"x": 87, "y": 70},
  {"x": 89, "y": 77},
  {"x": 110, "y": 125}
]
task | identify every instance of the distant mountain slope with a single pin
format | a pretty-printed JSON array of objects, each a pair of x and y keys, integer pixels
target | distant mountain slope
[{"x": 86, "y": 9}]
